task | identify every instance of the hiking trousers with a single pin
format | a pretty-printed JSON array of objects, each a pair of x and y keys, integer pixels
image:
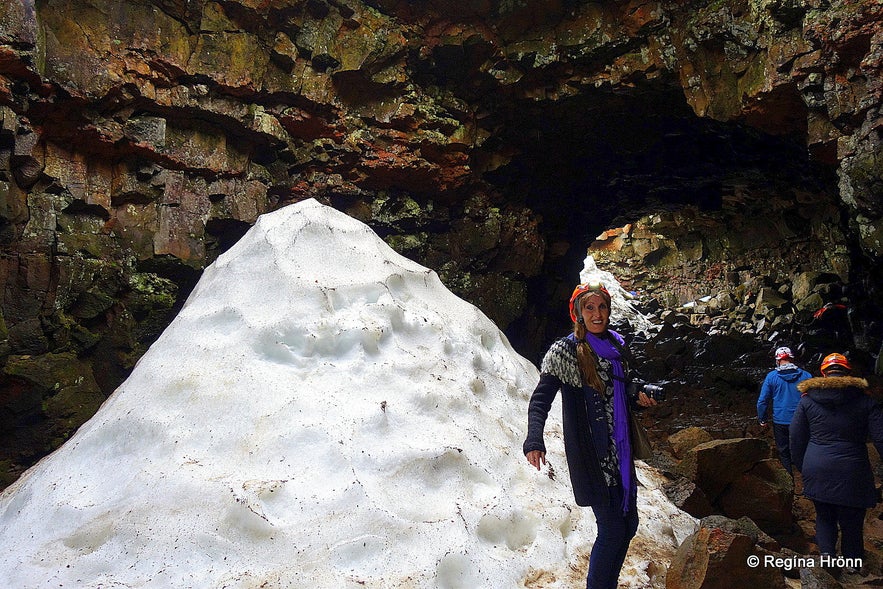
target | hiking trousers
[{"x": 615, "y": 531}]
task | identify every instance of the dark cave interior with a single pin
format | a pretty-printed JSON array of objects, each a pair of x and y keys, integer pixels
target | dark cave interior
[{"x": 603, "y": 159}]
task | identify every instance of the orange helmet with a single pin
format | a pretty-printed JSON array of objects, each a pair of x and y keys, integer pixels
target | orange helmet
[
  {"x": 581, "y": 289},
  {"x": 835, "y": 360}
]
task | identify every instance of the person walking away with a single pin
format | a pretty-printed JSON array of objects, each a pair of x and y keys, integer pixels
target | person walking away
[
  {"x": 829, "y": 433},
  {"x": 780, "y": 388},
  {"x": 590, "y": 368}
]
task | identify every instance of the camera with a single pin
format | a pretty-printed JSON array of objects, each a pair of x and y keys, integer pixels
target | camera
[{"x": 655, "y": 392}]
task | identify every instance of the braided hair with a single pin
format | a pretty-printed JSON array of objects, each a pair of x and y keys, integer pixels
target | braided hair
[{"x": 585, "y": 355}]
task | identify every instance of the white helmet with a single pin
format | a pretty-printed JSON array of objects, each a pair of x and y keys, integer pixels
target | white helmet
[{"x": 783, "y": 352}]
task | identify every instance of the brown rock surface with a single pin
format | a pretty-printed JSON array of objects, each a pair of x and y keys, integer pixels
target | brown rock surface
[
  {"x": 764, "y": 494},
  {"x": 715, "y": 558},
  {"x": 716, "y": 464},
  {"x": 686, "y": 439}
]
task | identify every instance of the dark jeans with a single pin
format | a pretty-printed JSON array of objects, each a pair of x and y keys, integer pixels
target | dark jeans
[
  {"x": 851, "y": 522},
  {"x": 615, "y": 532},
  {"x": 783, "y": 443}
]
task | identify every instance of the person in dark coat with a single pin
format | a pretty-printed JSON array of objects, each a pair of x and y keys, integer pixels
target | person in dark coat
[
  {"x": 590, "y": 369},
  {"x": 780, "y": 388},
  {"x": 829, "y": 433}
]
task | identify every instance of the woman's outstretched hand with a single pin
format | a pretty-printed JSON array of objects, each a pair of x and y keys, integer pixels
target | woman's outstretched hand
[{"x": 535, "y": 457}]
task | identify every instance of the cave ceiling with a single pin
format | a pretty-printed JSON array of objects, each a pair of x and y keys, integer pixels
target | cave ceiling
[{"x": 605, "y": 159}]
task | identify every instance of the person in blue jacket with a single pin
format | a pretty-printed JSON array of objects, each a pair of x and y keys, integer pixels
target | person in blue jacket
[
  {"x": 590, "y": 368},
  {"x": 829, "y": 434},
  {"x": 780, "y": 387}
]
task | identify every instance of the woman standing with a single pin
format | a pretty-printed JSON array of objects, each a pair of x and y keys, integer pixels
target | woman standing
[
  {"x": 590, "y": 369},
  {"x": 829, "y": 433}
]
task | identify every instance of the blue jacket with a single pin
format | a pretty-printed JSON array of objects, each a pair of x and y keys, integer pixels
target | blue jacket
[
  {"x": 584, "y": 418},
  {"x": 780, "y": 386},
  {"x": 829, "y": 435}
]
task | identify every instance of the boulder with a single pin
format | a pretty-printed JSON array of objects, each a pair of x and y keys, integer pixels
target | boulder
[
  {"x": 803, "y": 284},
  {"x": 714, "y": 465},
  {"x": 810, "y": 303},
  {"x": 723, "y": 349},
  {"x": 688, "y": 497},
  {"x": 715, "y": 558},
  {"x": 768, "y": 300},
  {"x": 686, "y": 439},
  {"x": 817, "y": 578},
  {"x": 744, "y": 526},
  {"x": 764, "y": 494}
]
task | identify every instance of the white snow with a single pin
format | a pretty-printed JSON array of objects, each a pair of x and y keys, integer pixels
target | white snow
[{"x": 323, "y": 413}]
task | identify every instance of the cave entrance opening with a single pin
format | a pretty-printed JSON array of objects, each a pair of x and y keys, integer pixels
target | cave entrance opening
[{"x": 603, "y": 160}]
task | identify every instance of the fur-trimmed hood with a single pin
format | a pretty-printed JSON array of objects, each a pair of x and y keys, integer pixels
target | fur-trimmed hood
[
  {"x": 832, "y": 382},
  {"x": 833, "y": 390}
]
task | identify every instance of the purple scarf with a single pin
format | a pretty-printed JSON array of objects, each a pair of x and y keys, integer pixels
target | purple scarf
[{"x": 605, "y": 349}]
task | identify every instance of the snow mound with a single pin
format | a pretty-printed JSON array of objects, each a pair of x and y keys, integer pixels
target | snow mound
[{"x": 322, "y": 413}]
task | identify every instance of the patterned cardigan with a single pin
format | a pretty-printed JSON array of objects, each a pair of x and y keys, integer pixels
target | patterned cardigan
[{"x": 587, "y": 419}]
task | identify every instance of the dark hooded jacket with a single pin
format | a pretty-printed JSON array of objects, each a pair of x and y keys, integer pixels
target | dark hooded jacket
[
  {"x": 586, "y": 429},
  {"x": 829, "y": 434}
]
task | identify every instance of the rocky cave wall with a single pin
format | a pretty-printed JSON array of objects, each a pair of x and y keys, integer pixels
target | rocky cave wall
[{"x": 715, "y": 144}]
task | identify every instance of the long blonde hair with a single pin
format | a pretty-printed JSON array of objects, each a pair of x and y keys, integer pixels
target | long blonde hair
[{"x": 586, "y": 359}]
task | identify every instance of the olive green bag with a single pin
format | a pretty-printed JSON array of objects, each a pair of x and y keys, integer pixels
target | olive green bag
[{"x": 642, "y": 448}]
